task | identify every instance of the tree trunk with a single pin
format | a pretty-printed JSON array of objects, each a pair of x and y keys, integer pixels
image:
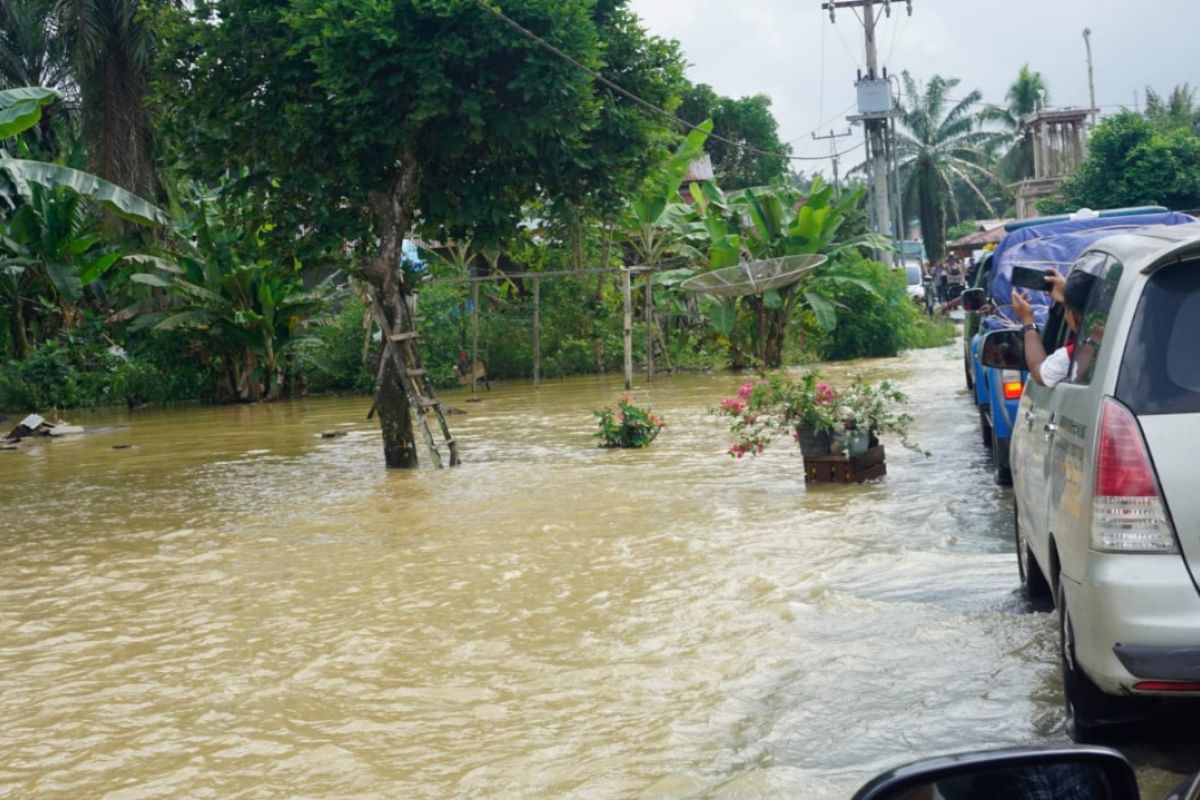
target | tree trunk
[
  {"x": 393, "y": 211},
  {"x": 20, "y": 340},
  {"x": 395, "y": 419}
]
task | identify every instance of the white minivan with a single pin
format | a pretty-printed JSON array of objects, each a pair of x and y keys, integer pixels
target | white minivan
[{"x": 1106, "y": 480}]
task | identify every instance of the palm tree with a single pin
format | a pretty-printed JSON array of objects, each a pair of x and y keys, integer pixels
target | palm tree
[
  {"x": 1178, "y": 110},
  {"x": 111, "y": 50},
  {"x": 1027, "y": 94},
  {"x": 940, "y": 149},
  {"x": 32, "y": 54}
]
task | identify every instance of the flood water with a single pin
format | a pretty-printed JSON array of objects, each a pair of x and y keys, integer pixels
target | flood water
[{"x": 235, "y": 607}]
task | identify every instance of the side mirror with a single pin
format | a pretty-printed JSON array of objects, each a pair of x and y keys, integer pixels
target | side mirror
[
  {"x": 1003, "y": 349},
  {"x": 973, "y": 299},
  {"x": 1095, "y": 773}
]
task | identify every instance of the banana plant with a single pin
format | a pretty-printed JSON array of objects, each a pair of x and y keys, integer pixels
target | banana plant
[
  {"x": 49, "y": 247},
  {"x": 655, "y": 215},
  {"x": 771, "y": 222},
  {"x": 20, "y": 110},
  {"x": 249, "y": 310}
]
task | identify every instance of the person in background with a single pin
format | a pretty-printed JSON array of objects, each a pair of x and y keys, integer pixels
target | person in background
[
  {"x": 940, "y": 281},
  {"x": 1072, "y": 293}
]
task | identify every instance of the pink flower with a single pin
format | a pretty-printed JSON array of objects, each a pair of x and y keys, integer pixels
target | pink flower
[
  {"x": 825, "y": 393},
  {"x": 732, "y": 405},
  {"x": 745, "y": 391}
]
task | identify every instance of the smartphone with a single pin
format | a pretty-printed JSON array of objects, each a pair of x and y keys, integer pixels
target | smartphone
[
  {"x": 972, "y": 299},
  {"x": 1030, "y": 278}
]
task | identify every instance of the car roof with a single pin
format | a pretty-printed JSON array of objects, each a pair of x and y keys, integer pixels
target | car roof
[{"x": 1147, "y": 248}]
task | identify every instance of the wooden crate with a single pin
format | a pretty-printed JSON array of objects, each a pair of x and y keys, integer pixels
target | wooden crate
[{"x": 843, "y": 469}]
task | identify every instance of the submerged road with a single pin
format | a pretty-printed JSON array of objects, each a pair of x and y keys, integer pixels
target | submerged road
[{"x": 235, "y": 607}]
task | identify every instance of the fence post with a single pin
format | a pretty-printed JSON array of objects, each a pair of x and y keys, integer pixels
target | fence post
[
  {"x": 537, "y": 332},
  {"x": 626, "y": 294},
  {"x": 648, "y": 317},
  {"x": 474, "y": 333}
]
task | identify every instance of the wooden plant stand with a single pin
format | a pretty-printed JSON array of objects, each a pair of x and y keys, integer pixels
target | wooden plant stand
[{"x": 843, "y": 469}]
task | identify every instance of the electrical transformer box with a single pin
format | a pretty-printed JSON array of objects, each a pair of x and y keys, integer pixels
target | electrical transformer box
[{"x": 874, "y": 97}]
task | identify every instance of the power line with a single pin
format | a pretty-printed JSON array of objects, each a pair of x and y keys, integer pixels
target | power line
[{"x": 628, "y": 94}]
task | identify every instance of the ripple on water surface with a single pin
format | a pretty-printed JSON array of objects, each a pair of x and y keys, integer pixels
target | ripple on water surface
[{"x": 235, "y": 606}]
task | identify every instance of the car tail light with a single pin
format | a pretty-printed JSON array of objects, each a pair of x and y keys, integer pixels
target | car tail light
[
  {"x": 1167, "y": 686},
  {"x": 1011, "y": 384},
  {"x": 1128, "y": 515}
]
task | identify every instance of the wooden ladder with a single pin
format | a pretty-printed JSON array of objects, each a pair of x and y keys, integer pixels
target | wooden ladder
[{"x": 402, "y": 349}]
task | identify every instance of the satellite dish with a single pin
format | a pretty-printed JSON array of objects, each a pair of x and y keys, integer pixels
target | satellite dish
[{"x": 754, "y": 277}]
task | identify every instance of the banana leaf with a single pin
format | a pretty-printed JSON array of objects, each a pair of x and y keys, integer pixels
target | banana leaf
[{"x": 124, "y": 204}]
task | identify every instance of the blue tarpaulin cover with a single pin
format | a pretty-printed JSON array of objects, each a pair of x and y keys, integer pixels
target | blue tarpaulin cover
[{"x": 1057, "y": 245}]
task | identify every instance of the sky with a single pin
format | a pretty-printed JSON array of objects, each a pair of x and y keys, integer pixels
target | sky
[{"x": 789, "y": 50}]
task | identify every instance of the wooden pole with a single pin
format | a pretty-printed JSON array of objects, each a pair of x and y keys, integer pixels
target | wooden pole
[
  {"x": 626, "y": 294},
  {"x": 648, "y": 315},
  {"x": 474, "y": 334},
  {"x": 537, "y": 332}
]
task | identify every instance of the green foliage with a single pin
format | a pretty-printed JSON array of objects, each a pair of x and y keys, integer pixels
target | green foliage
[
  {"x": 1177, "y": 111},
  {"x": 225, "y": 287},
  {"x": 764, "y": 411},
  {"x": 1026, "y": 95},
  {"x": 80, "y": 367},
  {"x": 773, "y": 222},
  {"x": 1131, "y": 162},
  {"x": 630, "y": 425},
  {"x": 873, "y": 324},
  {"x": 758, "y": 157},
  {"x": 940, "y": 147},
  {"x": 869, "y": 323},
  {"x": 331, "y": 359},
  {"x": 473, "y": 117}
]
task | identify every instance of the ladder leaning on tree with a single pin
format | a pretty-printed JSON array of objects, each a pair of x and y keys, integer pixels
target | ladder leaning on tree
[{"x": 401, "y": 348}]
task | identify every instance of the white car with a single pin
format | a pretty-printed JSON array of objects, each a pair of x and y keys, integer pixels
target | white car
[
  {"x": 1104, "y": 480},
  {"x": 915, "y": 280}
]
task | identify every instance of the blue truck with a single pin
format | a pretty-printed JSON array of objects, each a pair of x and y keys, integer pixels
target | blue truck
[{"x": 1040, "y": 243}]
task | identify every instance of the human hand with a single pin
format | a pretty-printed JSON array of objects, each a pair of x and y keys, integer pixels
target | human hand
[
  {"x": 1021, "y": 308},
  {"x": 1058, "y": 286}
]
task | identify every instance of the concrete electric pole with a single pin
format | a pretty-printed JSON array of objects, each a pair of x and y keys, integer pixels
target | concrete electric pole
[
  {"x": 875, "y": 109},
  {"x": 833, "y": 137},
  {"x": 1087, "y": 41}
]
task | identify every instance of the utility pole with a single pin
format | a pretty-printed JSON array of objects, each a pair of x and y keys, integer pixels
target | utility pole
[
  {"x": 875, "y": 110},
  {"x": 1087, "y": 41},
  {"x": 833, "y": 137}
]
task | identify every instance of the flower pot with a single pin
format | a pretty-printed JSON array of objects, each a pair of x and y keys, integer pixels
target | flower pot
[
  {"x": 813, "y": 444},
  {"x": 857, "y": 443}
]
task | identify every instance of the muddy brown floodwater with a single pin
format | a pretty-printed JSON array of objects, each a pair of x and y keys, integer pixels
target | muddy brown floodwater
[{"x": 235, "y": 607}]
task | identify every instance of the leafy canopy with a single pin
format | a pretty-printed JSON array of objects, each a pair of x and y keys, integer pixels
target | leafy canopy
[
  {"x": 1133, "y": 162},
  {"x": 435, "y": 102}
]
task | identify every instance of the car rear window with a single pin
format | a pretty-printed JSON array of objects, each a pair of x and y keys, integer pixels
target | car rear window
[{"x": 1160, "y": 373}]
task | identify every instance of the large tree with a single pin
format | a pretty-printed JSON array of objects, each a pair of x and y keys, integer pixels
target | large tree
[
  {"x": 112, "y": 50},
  {"x": 1132, "y": 163},
  {"x": 352, "y": 122},
  {"x": 33, "y": 54},
  {"x": 940, "y": 148},
  {"x": 756, "y": 156}
]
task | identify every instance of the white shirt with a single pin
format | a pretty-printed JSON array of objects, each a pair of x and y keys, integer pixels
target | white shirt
[{"x": 1056, "y": 367}]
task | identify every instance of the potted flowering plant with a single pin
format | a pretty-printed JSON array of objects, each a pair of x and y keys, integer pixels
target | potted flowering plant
[
  {"x": 630, "y": 425},
  {"x": 821, "y": 418}
]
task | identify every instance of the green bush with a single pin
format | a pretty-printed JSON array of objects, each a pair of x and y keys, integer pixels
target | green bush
[
  {"x": 873, "y": 325},
  {"x": 81, "y": 367},
  {"x": 332, "y": 359}
]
